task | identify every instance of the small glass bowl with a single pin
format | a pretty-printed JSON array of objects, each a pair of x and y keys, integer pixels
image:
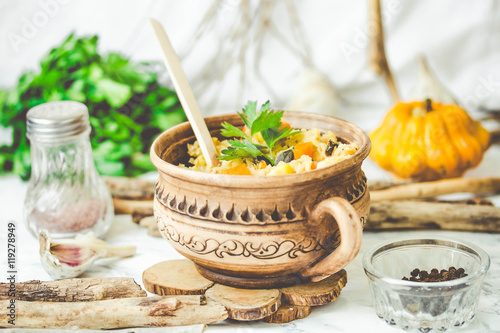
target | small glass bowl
[{"x": 424, "y": 306}]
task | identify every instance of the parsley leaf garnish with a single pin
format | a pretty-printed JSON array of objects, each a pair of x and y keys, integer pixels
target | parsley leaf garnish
[{"x": 267, "y": 122}]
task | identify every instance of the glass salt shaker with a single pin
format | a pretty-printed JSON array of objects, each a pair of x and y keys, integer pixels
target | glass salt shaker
[{"x": 65, "y": 194}]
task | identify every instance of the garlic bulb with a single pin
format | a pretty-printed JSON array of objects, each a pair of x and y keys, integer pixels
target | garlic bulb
[
  {"x": 68, "y": 258},
  {"x": 314, "y": 93},
  {"x": 428, "y": 87}
]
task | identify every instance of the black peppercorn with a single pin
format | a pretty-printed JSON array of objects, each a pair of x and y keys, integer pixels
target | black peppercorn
[{"x": 435, "y": 275}]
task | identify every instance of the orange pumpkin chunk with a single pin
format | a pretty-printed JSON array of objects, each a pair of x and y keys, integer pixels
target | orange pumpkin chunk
[
  {"x": 240, "y": 169},
  {"x": 305, "y": 148}
]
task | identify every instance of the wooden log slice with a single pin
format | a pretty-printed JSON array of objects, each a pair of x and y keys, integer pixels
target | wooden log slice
[
  {"x": 246, "y": 304},
  {"x": 316, "y": 293},
  {"x": 287, "y": 312},
  {"x": 175, "y": 277}
]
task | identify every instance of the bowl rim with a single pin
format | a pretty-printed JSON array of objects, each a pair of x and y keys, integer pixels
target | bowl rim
[
  {"x": 255, "y": 181},
  {"x": 373, "y": 274}
]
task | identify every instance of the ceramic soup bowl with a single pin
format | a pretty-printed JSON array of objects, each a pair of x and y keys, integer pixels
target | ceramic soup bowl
[{"x": 262, "y": 231}]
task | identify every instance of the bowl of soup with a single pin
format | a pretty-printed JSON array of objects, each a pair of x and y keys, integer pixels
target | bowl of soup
[{"x": 263, "y": 230}]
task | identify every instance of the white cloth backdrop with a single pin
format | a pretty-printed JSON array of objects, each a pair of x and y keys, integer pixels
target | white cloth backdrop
[{"x": 461, "y": 39}]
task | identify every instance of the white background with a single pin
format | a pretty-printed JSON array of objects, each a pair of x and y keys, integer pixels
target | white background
[{"x": 461, "y": 39}]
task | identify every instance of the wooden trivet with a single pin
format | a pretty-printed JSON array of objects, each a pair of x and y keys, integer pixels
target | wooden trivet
[
  {"x": 180, "y": 277},
  {"x": 286, "y": 313},
  {"x": 316, "y": 293},
  {"x": 175, "y": 277},
  {"x": 246, "y": 304}
]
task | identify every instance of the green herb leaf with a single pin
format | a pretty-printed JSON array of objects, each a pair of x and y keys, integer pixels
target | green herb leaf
[
  {"x": 230, "y": 131},
  {"x": 241, "y": 149},
  {"x": 271, "y": 136},
  {"x": 249, "y": 114},
  {"x": 267, "y": 122}
]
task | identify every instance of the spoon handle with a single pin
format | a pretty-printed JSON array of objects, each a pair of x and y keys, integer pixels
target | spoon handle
[{"x": 185, "y": 94}]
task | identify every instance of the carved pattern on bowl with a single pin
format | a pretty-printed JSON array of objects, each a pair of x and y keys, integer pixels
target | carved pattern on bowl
[
  {"x": 234, "y": 247},
  {"x": 214, "y": 212}
]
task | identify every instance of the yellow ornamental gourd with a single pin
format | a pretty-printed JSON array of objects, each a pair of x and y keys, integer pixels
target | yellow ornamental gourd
[{"x": 428, "y": 141}]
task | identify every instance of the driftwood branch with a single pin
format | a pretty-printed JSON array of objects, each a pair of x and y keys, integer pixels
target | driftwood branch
[
  {"x": 130, "y": 188},
  {"x": 179, "y": 329},
  {"x": 414, "y": 215},
  {"x": 437, "y": 188},
  {"x": 71, "y": 290},
  {"x": 471, "y": 201},
  {"x": 149, "y": 222},
  {"x": 117, "y": 313},
  {"x": 377, "y": 185},
  {"x": 124, "y": 206},
  {"x": 141, "y": 213},
  {"x": 377, "y": 60},
  {"x": 495, "y": 137}
]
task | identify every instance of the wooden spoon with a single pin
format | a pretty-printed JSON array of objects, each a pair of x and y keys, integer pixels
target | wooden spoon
[{"x": 186, "y": 96}]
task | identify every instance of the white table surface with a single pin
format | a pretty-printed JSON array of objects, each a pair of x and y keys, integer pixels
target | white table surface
[{"x": 351, "y": 312}]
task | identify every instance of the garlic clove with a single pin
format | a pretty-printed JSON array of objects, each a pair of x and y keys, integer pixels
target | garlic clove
[
  {"x": 68, "y": 258},
  {"x": 71, "y": 255},
  {"x": 62, "y": 267},
  {"x": 428, "y": 86},
  {"x": 97, "y": 245}
]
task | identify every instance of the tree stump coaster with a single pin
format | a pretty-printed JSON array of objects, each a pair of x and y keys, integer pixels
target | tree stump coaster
[
  {"x": 246, "y": 304},
  {"x": 287, "y": 313},
  {"x": 316, "y": 293},
  {"x": 180, "y": 277},
  {"x": 175, "y": 277}
]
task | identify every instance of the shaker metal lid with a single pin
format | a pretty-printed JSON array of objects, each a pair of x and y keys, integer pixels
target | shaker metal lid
[{"x": 56, "y": 120}]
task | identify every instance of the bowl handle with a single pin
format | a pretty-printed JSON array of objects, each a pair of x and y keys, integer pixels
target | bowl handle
[{"x": 351, "y": 232}]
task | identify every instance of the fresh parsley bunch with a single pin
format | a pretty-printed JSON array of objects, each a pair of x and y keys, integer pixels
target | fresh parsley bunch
[
  {"x": 127, "y": 106},
  {"x": 267, "y": 122}
]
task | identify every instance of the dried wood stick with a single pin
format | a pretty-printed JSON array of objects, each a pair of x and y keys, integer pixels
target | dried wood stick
[
  {"x": 180, "y": 329},
  {"x": 436, "y": 188},
  {"x": 415, "y": 215},
  {"x": 130, "y": 188},
  {"x": 139, "y": 213},
  {"x": 71, "y": 290},
  {"x": 123, "y": 206},
  {"x": 472, "y": 201},
  {"x": 377, "y": 60},
  {"x": 149, "y": 222},
  {"x": 495, "y": 137},
  {"x": 117, "y": 313},
  {"x": 377, "y": 185}
]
